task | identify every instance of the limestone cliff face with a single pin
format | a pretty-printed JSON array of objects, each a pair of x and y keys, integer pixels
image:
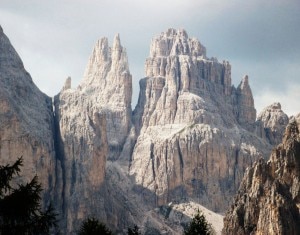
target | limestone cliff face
[
  {"x": 93, "y": 122},
  {"x": 271, "y": 124},
  {"x": 26, "y": 121},
  {"x": 192, "y": 125},
  {"x": 268, "y": 201}
]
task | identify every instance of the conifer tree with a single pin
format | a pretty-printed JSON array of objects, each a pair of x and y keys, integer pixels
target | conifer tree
[
  {"x": 134, "y": 230},
  {"x": 20, "y": 207},
  {"x": 92, "y": 226},
  {"x": 198, "y": 226}
]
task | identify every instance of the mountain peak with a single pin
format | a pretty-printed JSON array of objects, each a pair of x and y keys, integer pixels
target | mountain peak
[
  {"x": 245, "y": 82},
  {"x": 68, "y": 84},
  {"x": 9, "y": 58},
  {"x": 117, "y": 42},
  {"x": 271, "y": 123},
  {"x": 247, "y": 112},
  {"x": 171, "y": 32},
  {"x": 106, "y": 59},
  {"x": 176, "y": 42}
]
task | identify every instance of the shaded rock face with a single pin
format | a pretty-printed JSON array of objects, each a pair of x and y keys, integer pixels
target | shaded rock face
[
  {"x": 192, "y": 124},
  {"x": 268, "y": 201},
  {"x": 271, "y": 124},
  {"x": 26, "y": 121},
  {"x": 93, "y": 123}
]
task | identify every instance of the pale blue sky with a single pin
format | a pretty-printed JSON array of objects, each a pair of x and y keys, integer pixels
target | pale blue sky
[{"x": 259, "y": 38}]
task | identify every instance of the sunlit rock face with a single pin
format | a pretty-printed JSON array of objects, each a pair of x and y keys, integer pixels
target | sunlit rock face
[
  {"x": 26, "y": 121},
  {"x": 93, "y": 122},
  {"x": 268, "y": 200},
  {"x": 193, "y": 125},
  {"x": 108, "y": 83}
]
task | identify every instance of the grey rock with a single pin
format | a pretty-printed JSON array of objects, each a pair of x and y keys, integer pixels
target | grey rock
[
  {"x": 193, "y": 126},
  {"x": 246, "y": 114},
  {"x": 94, "y": 121},
  {"x": 271, "y": 123},
  {"x": 269, "y": 195},
  {"x": 26, "y": 122}
]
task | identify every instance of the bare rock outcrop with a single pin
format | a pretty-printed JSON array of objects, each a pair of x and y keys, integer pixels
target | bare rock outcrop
[
  {"x": 246, "y": 113},
  {"x": 108, "y": 80},
  {"x": 271, "y": 124},
  {"x": 192, "y": 123},
  {"x": 93, "y": 122},
  {"x": 26, "y": 121},
  {"x": 268, "y": 201}
]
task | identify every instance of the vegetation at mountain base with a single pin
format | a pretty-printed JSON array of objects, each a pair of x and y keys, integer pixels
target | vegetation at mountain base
[
  {"x": 91, "y": 226},
  {"x": 134, "y": 231},
  {"x": 199, "y": 226},
  {"x": 20, "y": 207}
]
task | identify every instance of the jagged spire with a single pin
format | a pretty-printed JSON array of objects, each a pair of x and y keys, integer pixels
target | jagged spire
[
  {"x": 117, "y": 50},
  {"x": 117, "y": 42},
  {"x": 245, "y": 102},
  {"x": 244, "y": 84},
  {"x": 68, "y": 84}
]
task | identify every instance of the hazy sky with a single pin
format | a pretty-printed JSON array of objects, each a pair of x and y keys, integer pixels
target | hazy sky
[{"x": 260, "y": 38}]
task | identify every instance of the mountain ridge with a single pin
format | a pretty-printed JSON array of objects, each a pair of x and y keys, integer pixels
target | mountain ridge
[{"x": 190, "y": 137}]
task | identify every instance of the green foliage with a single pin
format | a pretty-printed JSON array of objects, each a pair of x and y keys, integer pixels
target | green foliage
[
  {"x": 92, "y": 226},
  {"x": 134, "y": 230},
  {"x": 6, "y": 174},
  {"x": 20, "y": 208},
  {"x": 198, "y": 226}
]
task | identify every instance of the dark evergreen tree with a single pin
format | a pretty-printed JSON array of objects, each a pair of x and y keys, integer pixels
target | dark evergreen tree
[
  {"x": 198, "y": 226},
  {"x": 92, "y": 226},
  {"x": 134, "y": 230},
  {"x": 20, "y": 207}
]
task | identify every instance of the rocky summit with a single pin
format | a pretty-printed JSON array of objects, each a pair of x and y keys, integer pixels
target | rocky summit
[
  {"x": 194, "y": 127},
  {"x": 186, "y": 145}
]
